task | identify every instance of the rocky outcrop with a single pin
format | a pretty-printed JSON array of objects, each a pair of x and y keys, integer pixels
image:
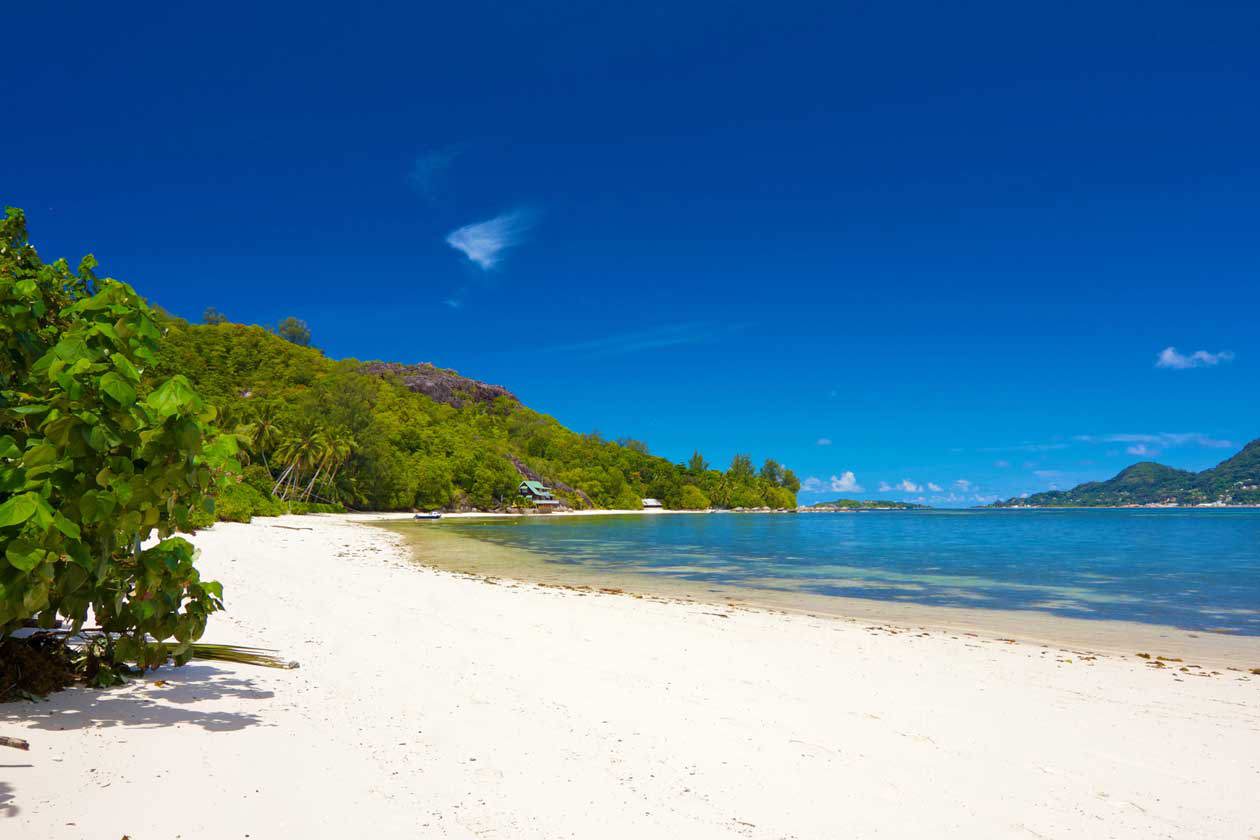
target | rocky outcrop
[{"x": 444, "y": 386}]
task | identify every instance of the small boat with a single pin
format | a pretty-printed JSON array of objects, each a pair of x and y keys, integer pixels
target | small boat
[{"x": 433, "y": 515}]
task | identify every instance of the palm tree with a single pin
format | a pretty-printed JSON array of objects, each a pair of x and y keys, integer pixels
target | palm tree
[
  {"x": 340, "y": 447},
  {"x": 264, "y": 431},
  {"x": 299, "y": 452}
]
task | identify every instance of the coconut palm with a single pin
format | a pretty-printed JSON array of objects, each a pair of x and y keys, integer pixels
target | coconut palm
[
  {"x": 264, "y": 431},
  {"x": 299, "y": 452}
]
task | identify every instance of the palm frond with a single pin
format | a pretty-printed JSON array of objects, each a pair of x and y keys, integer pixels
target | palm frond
[{"x": 241, "y": 654}]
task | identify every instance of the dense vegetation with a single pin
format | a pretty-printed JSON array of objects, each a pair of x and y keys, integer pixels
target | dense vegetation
[
  {"x": 345, "y": 432},
  {"x": 1233, "y": 481},
  {"x": 866, "y": 504},
  {"x": 94, "y": 460}
]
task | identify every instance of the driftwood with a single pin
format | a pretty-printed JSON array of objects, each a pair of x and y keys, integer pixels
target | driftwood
[{"x": 16, "y": 743}]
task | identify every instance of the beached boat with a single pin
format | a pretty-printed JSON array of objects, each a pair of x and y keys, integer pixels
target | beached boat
[{"x": 433, "y": 515}]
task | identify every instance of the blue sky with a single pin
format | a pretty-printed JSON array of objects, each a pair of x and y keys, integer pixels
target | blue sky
[{"x": 904, "y": 245}]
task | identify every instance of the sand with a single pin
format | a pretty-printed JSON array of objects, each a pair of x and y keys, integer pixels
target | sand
[{"x": 431, "y": 704}]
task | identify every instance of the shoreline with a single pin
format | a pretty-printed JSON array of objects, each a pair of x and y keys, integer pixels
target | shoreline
[
  {"x": 438, "y": 705},
  {"x": 463, "y": 554}
]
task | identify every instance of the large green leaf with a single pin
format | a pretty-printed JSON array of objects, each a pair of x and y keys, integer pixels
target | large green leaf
[
  {"x": 18, "y": 509},
  {"x": 118, "y": 388},
  {"x": 38, "y": 456},
  {"x": 174, "y": 396},
  {"x": 66, "y": 526},
  {"x": 24, "y": 555},
  {"x": 125, "y": 367},
  {"x": 9, "y": 447}
]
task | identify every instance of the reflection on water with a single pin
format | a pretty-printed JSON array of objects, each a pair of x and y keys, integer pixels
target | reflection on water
[{"x": 1191, "y": 569}]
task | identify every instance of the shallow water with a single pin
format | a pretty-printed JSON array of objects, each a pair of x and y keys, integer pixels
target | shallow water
[{"x": 1193, "y": 569}]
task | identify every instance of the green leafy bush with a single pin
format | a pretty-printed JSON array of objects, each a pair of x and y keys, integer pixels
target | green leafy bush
[
  {"x": 94, "y": 462},
  {"x": 693, "y": 498}
]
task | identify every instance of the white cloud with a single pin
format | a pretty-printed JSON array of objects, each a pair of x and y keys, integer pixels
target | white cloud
[
  {"x": 1047, "y": 473},
  {"x": 963, "y": 484},
  {"x": 1001, "y": 464},
  {"x": 905, "y": 485},
  {"x": 1142, "y": 449},
  {"x": 482, "y": 242},
  {"x": 1170, "y": 358},
  {"x": 846, "y": 482},
  {"x": 824, "y": 441},
  {"x": 935, "y": 488}
]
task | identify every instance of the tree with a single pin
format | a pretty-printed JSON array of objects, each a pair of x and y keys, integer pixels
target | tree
[
  {"x": 213, "y": 316},
  {"x": 771, "y": 471},
  {"x": 741, "y": 469},
  {"x": 790, "y": 482},
  {"x": 264, "y": 431},
  {"x": 693, "y": 498},
  {"x": 697, "y": 464},
  {"x": 294, "y": 330},
  {"x": 633, "y": 445},
  {"x": 90, "y": 469}
]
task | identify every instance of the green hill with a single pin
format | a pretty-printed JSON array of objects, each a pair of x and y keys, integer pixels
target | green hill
[
  {"x": 418, "y": 436},
  {"x": 1233, "y": 481}
]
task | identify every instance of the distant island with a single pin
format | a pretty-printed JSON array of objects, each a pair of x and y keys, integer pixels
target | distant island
[
  {"x": 1233, "y": 482},
  {"x": 841, "y": 505}
]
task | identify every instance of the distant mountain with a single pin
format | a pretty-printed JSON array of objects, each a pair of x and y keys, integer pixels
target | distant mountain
[
  {"x": 867, "y": 504},
  {"x": 1235, "y": 481}
]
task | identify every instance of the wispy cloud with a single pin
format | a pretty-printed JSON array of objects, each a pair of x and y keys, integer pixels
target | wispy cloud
[
  {"x": 1141, "y": 449},
  {"x": 1047, "y": 473},
  {"x": 824, "y": 441},
  {"x": 1161, "y": 439},
  {"x": 1170, "y": 358},
  {"x": 963, "y": 484},
  {"x": 1026, "y": 447},
  {"x": 483, "y": 242},
  {"x": 657, "y": 338},
  {"x": 1001, "y": 463},
  {"x": 905, "y": 485},
  {"x": 935, "y": 488},
  {"x": 846, "y": 482},
  {"x": 427, "y": 172}
]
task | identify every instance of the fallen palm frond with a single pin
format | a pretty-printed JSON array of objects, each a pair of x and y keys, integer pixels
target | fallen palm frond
[{"x": 240, "y": 654}]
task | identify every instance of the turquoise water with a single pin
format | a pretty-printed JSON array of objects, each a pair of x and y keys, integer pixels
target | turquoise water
[{"x": 1195, "y": 569}]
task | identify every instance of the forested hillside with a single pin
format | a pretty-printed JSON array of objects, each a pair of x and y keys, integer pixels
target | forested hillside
[
  {"x": 1234, "y": 481},
  {"x": 372, "y": 436}
]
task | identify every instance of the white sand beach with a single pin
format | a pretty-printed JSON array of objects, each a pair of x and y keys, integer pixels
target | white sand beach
[{"x": 430, "y": 704}]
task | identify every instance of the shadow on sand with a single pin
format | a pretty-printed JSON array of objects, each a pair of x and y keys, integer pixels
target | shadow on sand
[
  {"x": 7, "y": 807},
  {"x": 161, "y": 698}
]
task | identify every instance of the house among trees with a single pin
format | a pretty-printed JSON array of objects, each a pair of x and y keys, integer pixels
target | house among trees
[
  {"x": 536, "y": 492},
  {"x": 652, "y": 504}
]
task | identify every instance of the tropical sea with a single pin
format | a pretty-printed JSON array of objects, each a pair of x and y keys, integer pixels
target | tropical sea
[{"x": 1193, "y": 569}]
